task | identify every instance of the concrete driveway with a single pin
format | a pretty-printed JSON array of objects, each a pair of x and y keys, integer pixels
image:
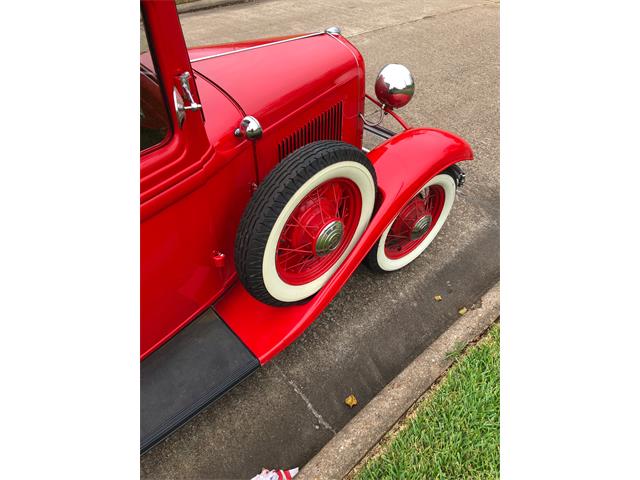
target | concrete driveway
[{"x": 283, "y": 414}]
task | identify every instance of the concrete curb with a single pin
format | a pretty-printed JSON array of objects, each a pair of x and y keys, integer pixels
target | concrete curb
[
  {"x": 343, "y": 452},
  {"x": 205, "y": 4}
]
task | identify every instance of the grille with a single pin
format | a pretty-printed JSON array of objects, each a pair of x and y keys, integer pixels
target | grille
[{"x": 326, "y": 126}]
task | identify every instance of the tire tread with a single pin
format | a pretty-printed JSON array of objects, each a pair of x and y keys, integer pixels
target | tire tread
[{"x": 270, "y": 199}]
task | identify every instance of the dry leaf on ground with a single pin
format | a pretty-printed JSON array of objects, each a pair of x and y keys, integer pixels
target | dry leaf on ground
[{"x": 351, "y": 401}]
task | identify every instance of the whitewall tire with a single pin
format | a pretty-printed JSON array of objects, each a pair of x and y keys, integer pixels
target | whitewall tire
[
  {"x": 389, "y": 256},
  {"x": 303, "y": 221}
]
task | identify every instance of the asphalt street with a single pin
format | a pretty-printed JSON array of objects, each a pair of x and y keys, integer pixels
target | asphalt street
[{"x": 282, "y": 415}]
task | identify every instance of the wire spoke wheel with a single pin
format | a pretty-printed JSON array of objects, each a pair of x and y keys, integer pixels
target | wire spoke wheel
[
  {"x": 303, "y": 221},
  {"x": 415, "y": 221},
  {"x": 416, "y": 225},
  {"x": 318, "y": 231}
]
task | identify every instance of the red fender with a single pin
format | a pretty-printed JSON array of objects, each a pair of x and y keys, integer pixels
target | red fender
[{"x": 403, "y": 164}]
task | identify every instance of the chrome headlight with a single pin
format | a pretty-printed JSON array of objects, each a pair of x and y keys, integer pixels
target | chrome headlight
[{"x": 395, "y": 86}]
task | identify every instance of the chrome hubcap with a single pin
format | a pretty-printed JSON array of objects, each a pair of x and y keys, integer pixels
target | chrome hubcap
[
  {"x": 329, "y": 238},
  {"x": 420, "y": 227}
]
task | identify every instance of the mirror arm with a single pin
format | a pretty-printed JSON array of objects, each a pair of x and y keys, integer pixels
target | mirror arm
[
  {"x": 184, "y": 82},
  {"x": 384, "y": 109}
]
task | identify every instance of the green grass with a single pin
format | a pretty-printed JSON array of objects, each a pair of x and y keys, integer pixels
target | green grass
[{"x": 455, "y": 432}]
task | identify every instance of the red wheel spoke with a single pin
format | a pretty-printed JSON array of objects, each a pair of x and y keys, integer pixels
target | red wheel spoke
[
  {"x": 299, "y": 250},
  {"x": 293, "y": 257},
  {"x": 297, "y": 261},
  {"x": 399, "y": 242},
  {"x": 342, "y": 208},
  {"x": 416, "y": 208},
  {"x": 301, "y": 264},
  {"x": 298, "y": 225},
  {"x": 410, "y": 227},
  {"x": 402, "y": 237},
  {"x": 429, "y": 205},
  {"x": 319, "y": 203},
  {"x": 337, "y": 198}
]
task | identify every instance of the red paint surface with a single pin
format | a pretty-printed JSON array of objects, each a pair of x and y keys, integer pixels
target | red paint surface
[
  {"x": 403, "y": 165},
  {"x": 194, "y": 187},
  {"x": 184, "y": 225},
  {"x": 192, "y": 193},
  {"x": 286, "y": 86}
]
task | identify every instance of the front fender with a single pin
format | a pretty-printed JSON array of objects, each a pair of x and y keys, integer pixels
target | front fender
[
  {"x": 407, "y": 161},
  {"x": 403, "y": 164}
]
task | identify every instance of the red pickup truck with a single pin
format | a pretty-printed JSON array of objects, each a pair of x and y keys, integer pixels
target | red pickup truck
[{"x": 258, "y": 200}]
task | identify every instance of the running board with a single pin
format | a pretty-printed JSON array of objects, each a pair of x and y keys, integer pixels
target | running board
[{"x": 197, "y": 366}]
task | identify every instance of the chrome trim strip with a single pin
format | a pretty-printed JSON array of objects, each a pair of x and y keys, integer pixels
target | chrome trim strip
[{"x": 259, "y": 46}]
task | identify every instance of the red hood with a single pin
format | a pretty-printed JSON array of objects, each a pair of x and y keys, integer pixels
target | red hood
[
  {"x": 273, "y": 81},
  {"x": 205, "y": 51}
]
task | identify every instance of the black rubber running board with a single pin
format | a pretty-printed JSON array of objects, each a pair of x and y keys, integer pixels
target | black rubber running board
[{"x": 196, "y": 367}]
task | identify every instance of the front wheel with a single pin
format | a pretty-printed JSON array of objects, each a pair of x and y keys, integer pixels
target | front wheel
[{"x": 415, "y": 227}]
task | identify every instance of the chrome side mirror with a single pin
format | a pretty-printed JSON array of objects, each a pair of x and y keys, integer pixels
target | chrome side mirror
[
  {"x": 395, "y": 85},
  {"x": 178, "y": 103}
]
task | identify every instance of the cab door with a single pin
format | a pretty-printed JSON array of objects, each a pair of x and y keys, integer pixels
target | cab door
[
  {"x": 195, "y": 179},
  {"x": 171, "y": 151}
]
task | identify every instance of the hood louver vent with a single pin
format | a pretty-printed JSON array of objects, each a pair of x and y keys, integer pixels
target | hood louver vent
[{"x": 326, "y": 126}]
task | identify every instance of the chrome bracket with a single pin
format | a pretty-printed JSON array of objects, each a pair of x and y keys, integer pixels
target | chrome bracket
[
  {"x": 377, "y": 122},
  {"x": 184, "y": 83}
]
